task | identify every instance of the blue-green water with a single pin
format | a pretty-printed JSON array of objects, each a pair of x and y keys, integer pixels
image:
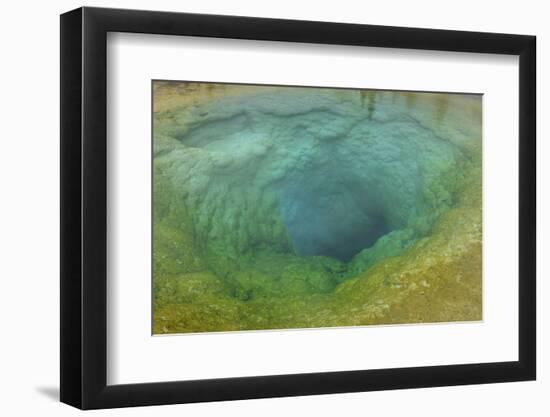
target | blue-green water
[{"x": 267, "y": 195}]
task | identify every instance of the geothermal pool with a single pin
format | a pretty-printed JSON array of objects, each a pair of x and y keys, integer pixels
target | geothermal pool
[{"x": 287, "y": 207}]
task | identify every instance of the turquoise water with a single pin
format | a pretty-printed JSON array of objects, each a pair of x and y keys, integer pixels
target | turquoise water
[{"x": 251, "y": 182}]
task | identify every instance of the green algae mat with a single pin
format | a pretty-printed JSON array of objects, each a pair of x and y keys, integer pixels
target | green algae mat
[{"x": 290, "y": 207}]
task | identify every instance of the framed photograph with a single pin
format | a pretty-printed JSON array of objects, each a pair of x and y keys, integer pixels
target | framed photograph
[{"x": 256, "y": 208}]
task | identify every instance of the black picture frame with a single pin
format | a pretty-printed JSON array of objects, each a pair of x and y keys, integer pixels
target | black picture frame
[{"x": 84, "y": 207}]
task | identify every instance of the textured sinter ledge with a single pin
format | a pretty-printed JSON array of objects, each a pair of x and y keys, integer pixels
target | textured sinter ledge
[{"x": 282, "y": 208}]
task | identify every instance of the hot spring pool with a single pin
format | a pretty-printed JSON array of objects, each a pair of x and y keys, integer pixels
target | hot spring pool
[{"x": 301, "y": 207}]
